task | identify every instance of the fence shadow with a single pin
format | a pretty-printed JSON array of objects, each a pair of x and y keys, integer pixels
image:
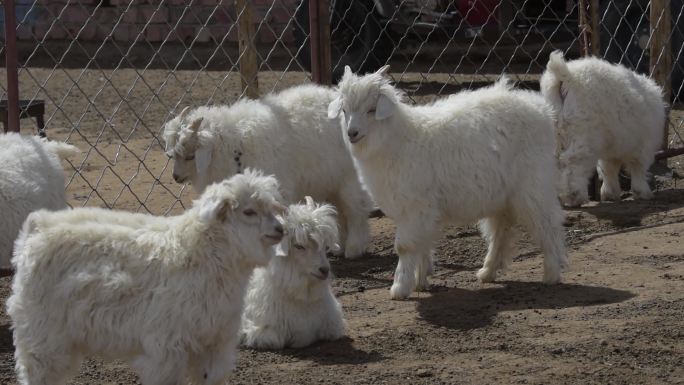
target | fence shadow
[{"x": 462, "y": 309}]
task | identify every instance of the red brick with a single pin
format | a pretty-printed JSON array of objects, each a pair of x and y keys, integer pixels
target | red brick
[
  {"x": 24, "y": 32},
  {"x": 153, "y": 14},
  {"x": 39, "y": 31},
  {"x": 57, "y": 32},
  {"x": 265, "y": 35},
  {"x": 220, "y": 31},
  {"x": 84, "y": 32},
  {"x": 202, "y": 35},
  {"x": 281, "y": 15},
  {"x": 223, "y": 15},
  {"x": 75, "y": 14},
  {"x": 103, "y": 30},
  {"x": 106, "y": 15},
  {"x": 122, "y": 32},
  {"x": 288, "y": 37},
  {"x": 182, "y": 33},
  {"x": 155, "y": 33},
  {"x": 130, "y": 15}
]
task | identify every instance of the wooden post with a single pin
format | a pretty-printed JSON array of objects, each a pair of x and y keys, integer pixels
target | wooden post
[
  {"x": 595, "y": 28},
  {"x": 249, "y": 69},
  {"x": 583, "y": 24},
  {"x": 11, "y": 65},
  {"x": 319, "y": 29},
  {"x": 661, "y": 51}
]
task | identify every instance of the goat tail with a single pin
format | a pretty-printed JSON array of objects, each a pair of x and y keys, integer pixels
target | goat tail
[
  {"x": 559, "y": 67},
  {"x": 61, "y": 149}
]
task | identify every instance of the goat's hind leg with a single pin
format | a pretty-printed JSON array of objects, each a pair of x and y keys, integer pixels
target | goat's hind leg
[
  {"x": 638, "y": 172},
  {"x": 542, "y": 217},
  {"x": 499, "y": 233}
]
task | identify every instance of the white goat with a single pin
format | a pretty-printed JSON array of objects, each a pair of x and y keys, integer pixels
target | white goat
[
  {"x": 479, "y": 154},
  {"x": 31, "y": 178},
  {"x": 606, "y": 113},
  {"x": 290, "y": 302},
  {"x": 165, "y": 294},
  {"x": 286, "y": 134}
]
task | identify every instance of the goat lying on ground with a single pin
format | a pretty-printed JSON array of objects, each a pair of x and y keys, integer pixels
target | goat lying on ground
[{"x": 290, "y": 302}]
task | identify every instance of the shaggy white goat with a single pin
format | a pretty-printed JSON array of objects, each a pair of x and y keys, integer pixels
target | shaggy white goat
[
  {"x": 606, "y": 113},
  {"x": 31, "y": 178},
  {"x": 164, "y": 294},
  {"x": 286, "y": 134},
  {"x": 290, "y": 302},
  {"x": 478, "y": 154}
]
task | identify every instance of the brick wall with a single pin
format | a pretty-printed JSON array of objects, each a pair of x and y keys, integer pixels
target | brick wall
[{"x": 153, "y": 21}]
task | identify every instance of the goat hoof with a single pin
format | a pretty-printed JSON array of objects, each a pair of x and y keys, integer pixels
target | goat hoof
[
  {"x": 486, "y": 275},
  {"x": 399, "y": 291}
]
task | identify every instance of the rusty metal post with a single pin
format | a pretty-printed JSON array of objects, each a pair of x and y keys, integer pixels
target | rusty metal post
[
  {"x": 11, "y": 66},
  {"x": 661, "y": 52},
  {"x": 319, "y": 36},
  {"x": 249, "y": 69}
]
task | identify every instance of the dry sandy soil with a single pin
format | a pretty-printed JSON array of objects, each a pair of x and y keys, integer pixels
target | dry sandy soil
[{"x": 617, "y": 318}]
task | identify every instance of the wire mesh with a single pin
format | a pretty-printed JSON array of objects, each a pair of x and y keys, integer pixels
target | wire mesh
[{"x": 113, "y": 71}]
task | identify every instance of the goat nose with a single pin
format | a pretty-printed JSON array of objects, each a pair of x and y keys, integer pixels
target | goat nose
[
  {"x": 352, "y": 133},
  {"x": 324, "y": 270},
  {"x": 279, "y": 228},
  {"x": 176, "y": 177}
]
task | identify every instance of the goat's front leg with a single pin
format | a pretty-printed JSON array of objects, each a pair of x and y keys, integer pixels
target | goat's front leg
[{"x": 413, "y": 245}]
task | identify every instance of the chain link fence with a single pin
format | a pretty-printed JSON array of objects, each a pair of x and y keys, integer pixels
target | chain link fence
[{"x": 111, "y": 72}]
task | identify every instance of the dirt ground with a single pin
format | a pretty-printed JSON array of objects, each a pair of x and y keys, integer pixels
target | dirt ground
[{"x": 617, "y": 318}]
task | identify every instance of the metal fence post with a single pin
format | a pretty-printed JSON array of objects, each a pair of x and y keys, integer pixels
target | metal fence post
[
  {"x": 249, "y": 69},
  {"x": 319, "y": 34},
  {"x": 661, "y": 51},
  {"x": 12, "y": 123}
]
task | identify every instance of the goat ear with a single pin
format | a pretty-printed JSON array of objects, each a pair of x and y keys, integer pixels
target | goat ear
[
  {"x": 214, "y": 209},
  {"x": 334, "y": 108},
  {"x": 383, "y": 70},
  {"x": 384, "y": 108},
  {"x": 309, "y": 202},
  {"x": 347, "y": 71},
  {"x": 195, "y": 125}
]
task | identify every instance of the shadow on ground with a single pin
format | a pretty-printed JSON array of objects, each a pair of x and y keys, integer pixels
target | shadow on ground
[
  {"x": 471, "y": 309},
  {"x": 340, "y": 352},
  {"x": 629, "y": 213},
  {"x": 6, "y": 341}
]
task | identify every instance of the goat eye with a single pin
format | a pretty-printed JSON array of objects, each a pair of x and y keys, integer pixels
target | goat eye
[
  {"x": 371, "y": 111},
  {"x": 344, "y": 111},
  {"x": 191, "y": 157},
  {"x": 299, "y": 247},
  {"x": 249, "y": 212}
]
